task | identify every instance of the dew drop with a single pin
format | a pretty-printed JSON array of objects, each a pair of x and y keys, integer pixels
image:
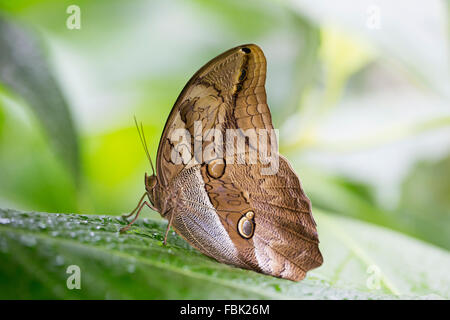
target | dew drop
[
  {"x": 59, "y": 260},
  {"x": 28, "y": 241},
  {"x": 131, "y": 268},
  {"x": 5, "y": 221},
  {"x": 54, "y": 233}
]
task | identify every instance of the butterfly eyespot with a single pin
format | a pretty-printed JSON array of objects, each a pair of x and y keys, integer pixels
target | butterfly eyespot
[
  {"x": 246, "y": 50},
  {"x": 246, "y": 225},
  {"x": 216, "y": 168}
]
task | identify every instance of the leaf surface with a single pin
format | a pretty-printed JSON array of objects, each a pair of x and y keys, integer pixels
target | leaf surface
[{"x": 36, "y": 249}]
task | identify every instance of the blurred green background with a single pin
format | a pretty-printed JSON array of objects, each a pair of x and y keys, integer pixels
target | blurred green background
[{"x": 360, "y": 91}]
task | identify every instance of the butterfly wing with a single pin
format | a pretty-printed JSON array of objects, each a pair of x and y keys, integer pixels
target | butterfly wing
[
  {"x": 232, "y": 212},
  {"x": 227, "y": 92},
  {"x": 285, "y": 241}
]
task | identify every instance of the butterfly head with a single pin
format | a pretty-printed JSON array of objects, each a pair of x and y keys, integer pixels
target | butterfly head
[{"x": 150, "y": 182}]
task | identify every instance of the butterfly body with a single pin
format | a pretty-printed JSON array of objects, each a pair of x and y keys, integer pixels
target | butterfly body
[{"x": 227, "y": 207}]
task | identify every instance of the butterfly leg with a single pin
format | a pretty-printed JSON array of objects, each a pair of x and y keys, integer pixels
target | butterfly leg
[
  {"x": 172, "y": 213},
  {"x": 137, "y": 207},
  {"x": 168, "y": 228},
  {"x": 145, "y": 203}
]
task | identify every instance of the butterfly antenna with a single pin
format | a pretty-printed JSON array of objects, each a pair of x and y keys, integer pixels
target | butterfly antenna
[{"x": 144, "y": 142}]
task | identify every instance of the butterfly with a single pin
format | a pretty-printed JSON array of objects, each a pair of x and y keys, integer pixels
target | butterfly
[{"x": 234, "y": 208}]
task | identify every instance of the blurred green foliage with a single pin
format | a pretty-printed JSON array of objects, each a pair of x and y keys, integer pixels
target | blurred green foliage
[
  {"x": 363, "y": 113},
  {"x": 25, "y": 71},
  {"x": 425, "y": 201}
]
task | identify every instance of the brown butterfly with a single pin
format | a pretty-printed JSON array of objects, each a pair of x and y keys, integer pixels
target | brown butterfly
[{"x": 229, "y": 208}]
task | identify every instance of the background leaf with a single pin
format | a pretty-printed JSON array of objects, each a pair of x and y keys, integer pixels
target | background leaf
[
  {"x": 434, "y": 225},
  {"x": 36, "y": 248},
  {"x": 23, "y": 68}
]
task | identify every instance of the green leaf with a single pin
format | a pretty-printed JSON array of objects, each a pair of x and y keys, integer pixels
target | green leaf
[
  {"x": 425, "y": 197},
  {"x": 36, "y": 249},
  {"x": 405, "y": 266},
  {"x": 24, "y": 70}
]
